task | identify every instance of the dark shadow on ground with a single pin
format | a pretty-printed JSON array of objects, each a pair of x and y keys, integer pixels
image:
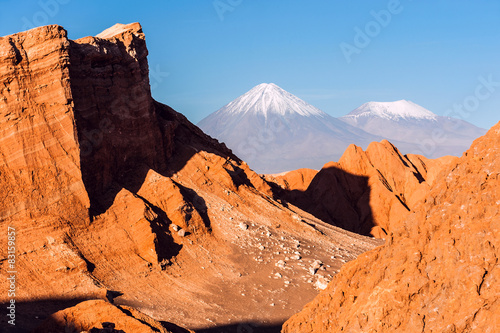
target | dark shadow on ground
[
  {"x": 30, "y": 315},
  {"x": 336, "y": 197},
  {"x": 242, "y": 328}
]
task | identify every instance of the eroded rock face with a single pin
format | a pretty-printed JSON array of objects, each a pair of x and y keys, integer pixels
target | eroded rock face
[
  {"x": 366, "y": 191},
  {"x": 112, "y": 193},
  {"x": 37, "y": 126},
  {"x": 118, "y": 127},
  {"x": 439, "y": 271}
]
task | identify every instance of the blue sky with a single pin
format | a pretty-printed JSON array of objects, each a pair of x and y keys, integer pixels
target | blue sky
[{"x": 335, "y": 55}]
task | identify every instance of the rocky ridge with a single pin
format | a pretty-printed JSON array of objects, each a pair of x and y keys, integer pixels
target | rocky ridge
[
  {"x": 100, "y": 316},
  {"x": 116, "y": 196},
  {"x": 365, "y": 191},
  {"x": 439, "y": 270}
]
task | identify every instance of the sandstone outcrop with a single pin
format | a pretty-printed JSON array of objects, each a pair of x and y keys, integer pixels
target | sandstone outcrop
[
  {"x": 114, "y": 195},
  {"x": 293, "y": 180},
  {"x": 439, "y": 270},
  {"x": 101, "y": 317},
  {"x": 366, "y": 191}
]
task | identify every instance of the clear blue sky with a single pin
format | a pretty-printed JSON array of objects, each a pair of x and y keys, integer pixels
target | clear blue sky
[{"x": 429, "y": 52}]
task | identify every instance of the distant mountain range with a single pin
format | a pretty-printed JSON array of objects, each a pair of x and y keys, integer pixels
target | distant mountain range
[
  {"x": 275, "y": 131},
  {"x": 414, "y": 129}
]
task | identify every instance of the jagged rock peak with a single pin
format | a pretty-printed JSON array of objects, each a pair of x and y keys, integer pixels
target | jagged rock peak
[{"x": 447, "y": 246}]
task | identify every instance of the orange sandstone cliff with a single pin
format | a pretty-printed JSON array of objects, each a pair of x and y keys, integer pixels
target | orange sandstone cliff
[
  {"x": 115, "y": 196},
  {"x": 439, "y": 270},
  {"x": 366, "y": 191}
]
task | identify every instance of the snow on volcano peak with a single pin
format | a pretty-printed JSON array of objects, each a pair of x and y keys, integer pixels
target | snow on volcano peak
[
  {"x": 392, "y": 110},
  {"x": 275, "y": 131},
  {"x": 268, "y": 98}
]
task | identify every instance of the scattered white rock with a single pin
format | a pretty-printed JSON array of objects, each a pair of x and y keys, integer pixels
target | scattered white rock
[
  {"x": 316, "y": 264},
  {"x": 296, "y": 257},
  {"x": 321, "y": 283},
  {"x": 181, "y": 232},
  {"x": 278, "y": 275},
  {"x": 280, "y": 264},
  {"x": 175, "y": 227},
  {"x": 243, "y": 226}
]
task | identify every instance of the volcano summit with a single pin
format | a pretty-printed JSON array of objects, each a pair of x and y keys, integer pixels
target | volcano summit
[{"x": 275, "y": 131}]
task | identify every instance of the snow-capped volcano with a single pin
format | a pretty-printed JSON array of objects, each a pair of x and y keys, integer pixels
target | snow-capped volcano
[
  {"x": 269, "y": 98},
  {"x": 275, "y": 131},
  {"x": 392, "y": 110},
  {"x": 414, "y": 129}
]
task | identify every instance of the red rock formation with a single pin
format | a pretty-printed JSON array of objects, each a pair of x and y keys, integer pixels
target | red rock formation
[
  {"x": 293, "y": 180},
  {"x": 93, "y": 316},
  {"x": 110, "y": 191},
  {"x": 367, "y": 191},
  {"x": 439, "y": 270}
]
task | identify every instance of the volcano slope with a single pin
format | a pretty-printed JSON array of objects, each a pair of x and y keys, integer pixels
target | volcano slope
[
  {"x": 115, "y": 196},
  {"x": 439, "y": 270}
]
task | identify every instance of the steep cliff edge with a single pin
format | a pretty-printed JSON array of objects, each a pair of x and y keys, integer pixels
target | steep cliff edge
[
  {"x": 116, "y": 196},
  {"x": 439, "y": 270}
]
